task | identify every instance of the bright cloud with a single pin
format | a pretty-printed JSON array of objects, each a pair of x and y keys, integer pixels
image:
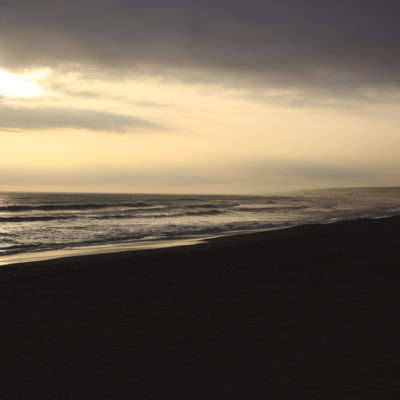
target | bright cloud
[{"x": 25, "y": 85}]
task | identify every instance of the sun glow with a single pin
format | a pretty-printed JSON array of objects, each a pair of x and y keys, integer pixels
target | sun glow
[{"x": 21, "y": 85}]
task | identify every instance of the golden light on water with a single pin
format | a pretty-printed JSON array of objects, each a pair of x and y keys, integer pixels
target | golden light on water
[{"x": 24, "y": 85}]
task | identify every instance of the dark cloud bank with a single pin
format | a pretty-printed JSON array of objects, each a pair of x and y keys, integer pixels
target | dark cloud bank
[{"x": 334, "y": 44}]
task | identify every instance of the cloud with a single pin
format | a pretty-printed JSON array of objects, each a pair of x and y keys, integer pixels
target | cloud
[
  {"x": 92, "y": 94},
  {"x": 39, "y": 118},
  {"x": 342, "y": 45}
]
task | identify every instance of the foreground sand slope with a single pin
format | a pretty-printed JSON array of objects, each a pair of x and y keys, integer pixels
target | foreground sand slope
[{"x": 310, "y": 312}]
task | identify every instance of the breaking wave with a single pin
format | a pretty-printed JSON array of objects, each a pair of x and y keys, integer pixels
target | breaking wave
[
  {"x": 61, "y": 207},
  {"x": 33, "y": 219}
]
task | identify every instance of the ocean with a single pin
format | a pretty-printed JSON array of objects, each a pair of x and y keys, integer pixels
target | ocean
[{"x": 33, "y": 223}]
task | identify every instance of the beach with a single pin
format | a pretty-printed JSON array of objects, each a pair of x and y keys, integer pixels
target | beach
[{"x": 307, "y": 312}]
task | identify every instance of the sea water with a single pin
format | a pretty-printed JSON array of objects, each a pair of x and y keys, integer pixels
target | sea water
[{"x": 37, "y": 222}]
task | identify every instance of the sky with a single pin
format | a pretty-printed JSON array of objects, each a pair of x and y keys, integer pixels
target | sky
[{"x": 185, "y": 96}]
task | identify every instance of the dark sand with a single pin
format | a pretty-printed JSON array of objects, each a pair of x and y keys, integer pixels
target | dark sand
[{"x": 305, "y": 313}]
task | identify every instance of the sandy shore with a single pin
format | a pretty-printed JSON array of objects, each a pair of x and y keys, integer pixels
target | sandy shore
[{"x": 309, "y": 312}]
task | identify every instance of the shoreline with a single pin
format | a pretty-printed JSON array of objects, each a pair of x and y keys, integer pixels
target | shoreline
[
  {"x": 305, "y": 312},
  {"x": 123, "y": 247},
  {"x": 31, "y": 263}
]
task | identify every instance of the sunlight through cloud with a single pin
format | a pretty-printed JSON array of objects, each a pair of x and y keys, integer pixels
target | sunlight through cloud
[{"x": 24, "y": 85}]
